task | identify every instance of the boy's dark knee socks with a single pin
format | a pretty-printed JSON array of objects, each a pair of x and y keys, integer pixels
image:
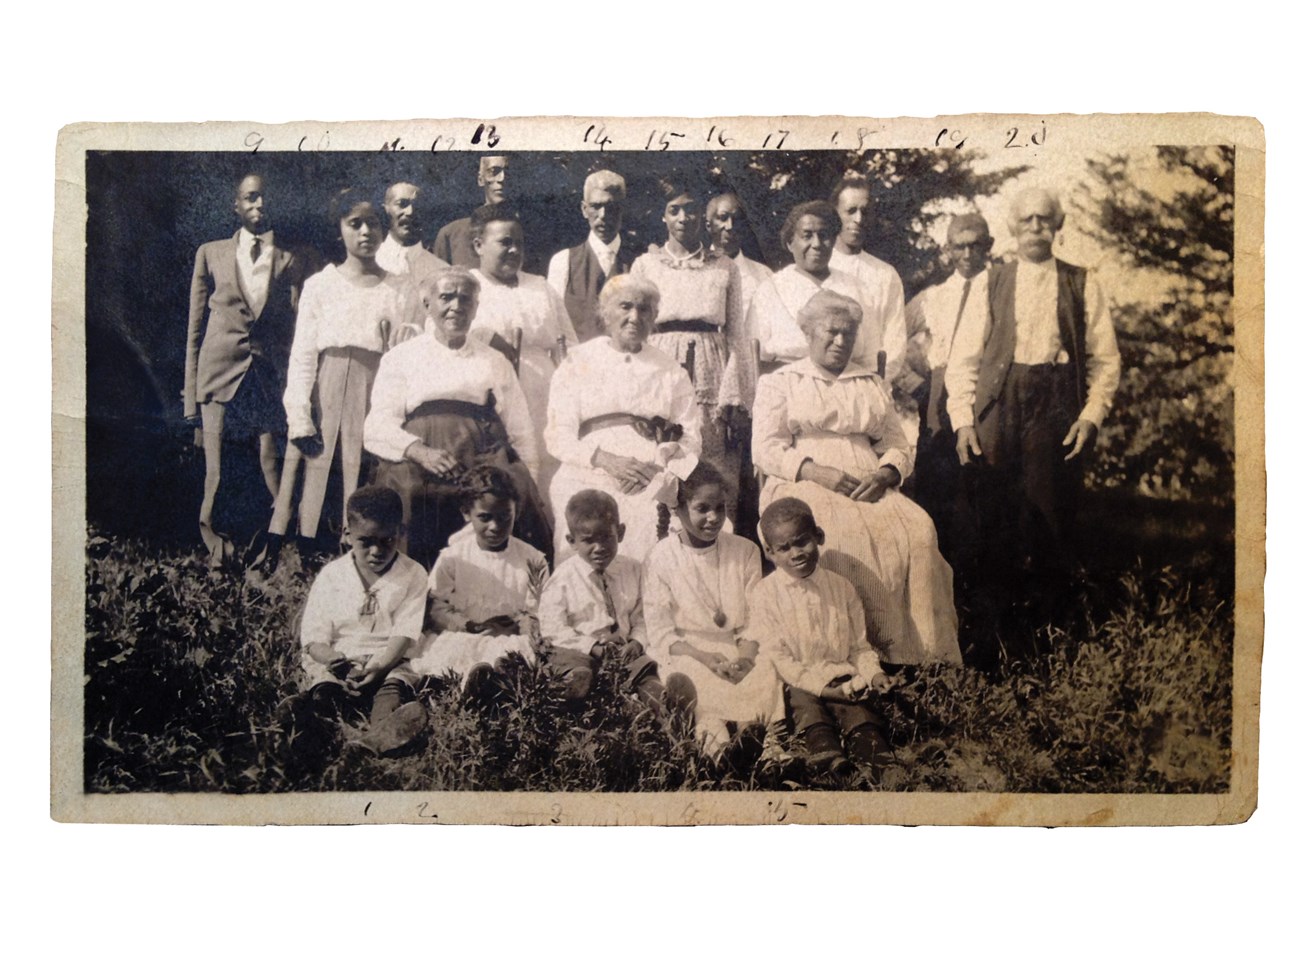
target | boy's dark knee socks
[
  {"x": 327, "y": 699},
  {"x": 822, "y": 743},
  {"x": 867, "y": 748},
  {"x": 390, "y": 696}
]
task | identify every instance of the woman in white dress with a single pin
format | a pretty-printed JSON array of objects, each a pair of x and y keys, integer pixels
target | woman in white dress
[
  {"x": 696, "y": 586},
  {"x": 623, "y": 419},
  {"x": 511, "y": 298},
  {"x": 347, "y": 316},
  {"x": 809, "y": 234},
  {"x": 443, "y": 405},
  {"x": 701, "y": 302},
  {"x": 825, "y": 431}
]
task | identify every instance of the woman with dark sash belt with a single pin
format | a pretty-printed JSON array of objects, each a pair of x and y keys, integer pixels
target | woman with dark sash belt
[
  {"x": 442, "y": 405},
  {"x": 623, "y": 419},
  {"x": 701, "y": 302},
  {"x": 346, "y": 316}
]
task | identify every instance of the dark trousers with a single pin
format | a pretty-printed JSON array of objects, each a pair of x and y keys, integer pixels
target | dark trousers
[
  {"x": 1028, "y": 493},
  {"x": 822, "y": 723},
  {"x": 1024, "y": 499},
  {"x": 578, "y": 671},
  {"x": 376, "y": 704}
]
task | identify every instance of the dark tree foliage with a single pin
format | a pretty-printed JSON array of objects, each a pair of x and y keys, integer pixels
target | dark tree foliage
[
  {"x": 1171, "y": 433},
  {"x": 910, "y": 188}
]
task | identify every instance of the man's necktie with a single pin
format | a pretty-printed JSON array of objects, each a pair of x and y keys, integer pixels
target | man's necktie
[
  {"x": 255, "y": 250},
  {"x": 961, "y": 307},
  {"x": 609, "y": 601}
]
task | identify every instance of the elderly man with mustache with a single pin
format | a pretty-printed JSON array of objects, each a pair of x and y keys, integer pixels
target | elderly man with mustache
[{"x": 1030, "y": 378}]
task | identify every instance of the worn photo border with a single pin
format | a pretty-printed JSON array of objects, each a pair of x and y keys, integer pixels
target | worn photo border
[{"x": 70, "y": 803}]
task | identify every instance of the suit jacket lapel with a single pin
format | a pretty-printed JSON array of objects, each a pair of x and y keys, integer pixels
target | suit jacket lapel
[{"x": 234, "y": 269}]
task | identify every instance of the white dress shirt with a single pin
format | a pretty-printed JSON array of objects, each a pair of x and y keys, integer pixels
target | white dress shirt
[
  {"x": 1038, "y": 341},
  {"x": 814, "y": 629},
  {"x": 752, "y": 275},
  {"x": 255, "y": 277},
  {"x": 557, "y": 271},
  {"x": 939, "y": 310},
  {"x": 357, "y": 623},
  {"x": 413, "y": 260},
  {"x": 884, "y": 303},
  {"x": 572, "y": 613}
]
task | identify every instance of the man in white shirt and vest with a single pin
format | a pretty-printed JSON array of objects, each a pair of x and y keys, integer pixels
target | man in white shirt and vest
[
  {"x": 578, "y": 273},
  {"x": 933, "y": 317},
  {"x": 402, "y": 252},
  {"x": 723, "y": 217},
  {"x": 1029, "y": 381}
]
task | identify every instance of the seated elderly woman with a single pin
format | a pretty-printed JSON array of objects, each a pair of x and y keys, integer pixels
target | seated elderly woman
[
  {"x": 623, "y": 418},
  {"x": 825, "y": 432},
  {"x": 442, "y": 405}
]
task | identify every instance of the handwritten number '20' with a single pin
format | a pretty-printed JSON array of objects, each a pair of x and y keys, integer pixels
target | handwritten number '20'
[{"x": 1037, "y": 138}]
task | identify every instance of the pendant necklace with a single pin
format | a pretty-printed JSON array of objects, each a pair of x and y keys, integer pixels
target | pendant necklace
[{"x": 719, "y": 615}]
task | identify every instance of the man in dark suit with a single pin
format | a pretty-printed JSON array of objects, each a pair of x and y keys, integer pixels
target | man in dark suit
[
  {"x": 578, "y": 273},
  {"x": 243, "y": 300},
  {"x": 455, "y": 241}
]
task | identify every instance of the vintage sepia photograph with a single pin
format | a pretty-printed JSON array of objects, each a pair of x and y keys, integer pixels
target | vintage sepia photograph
[{"x": 660, "y": 471}]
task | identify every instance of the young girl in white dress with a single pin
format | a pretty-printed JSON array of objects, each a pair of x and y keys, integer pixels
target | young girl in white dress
[
  {"x": 485, "y": 587},
  {"x": 696, "y": 584},
  {"x": 347, "y": 316}
]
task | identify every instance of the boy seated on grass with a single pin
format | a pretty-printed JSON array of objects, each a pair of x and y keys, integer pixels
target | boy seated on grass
[
  {"x": 592, "y": 604},
  {"x": 363, "y": 616},
  {"x": 811, "y": 624},
  {"x": 484, "y": 589}
]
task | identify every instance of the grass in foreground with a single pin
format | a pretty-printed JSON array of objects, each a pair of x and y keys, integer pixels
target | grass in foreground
[{"x": 183, "y": 672}]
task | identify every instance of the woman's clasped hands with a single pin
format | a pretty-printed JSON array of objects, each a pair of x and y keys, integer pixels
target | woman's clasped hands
[{"x": 868, "y": 489}]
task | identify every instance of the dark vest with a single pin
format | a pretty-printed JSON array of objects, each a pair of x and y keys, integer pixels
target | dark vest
[
  {"x": 1000, "y": 339},
  {"x": 583, "y": 287}
]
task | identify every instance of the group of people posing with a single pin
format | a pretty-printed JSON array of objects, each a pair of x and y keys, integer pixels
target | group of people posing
[{"x": 567, "y": 466}]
